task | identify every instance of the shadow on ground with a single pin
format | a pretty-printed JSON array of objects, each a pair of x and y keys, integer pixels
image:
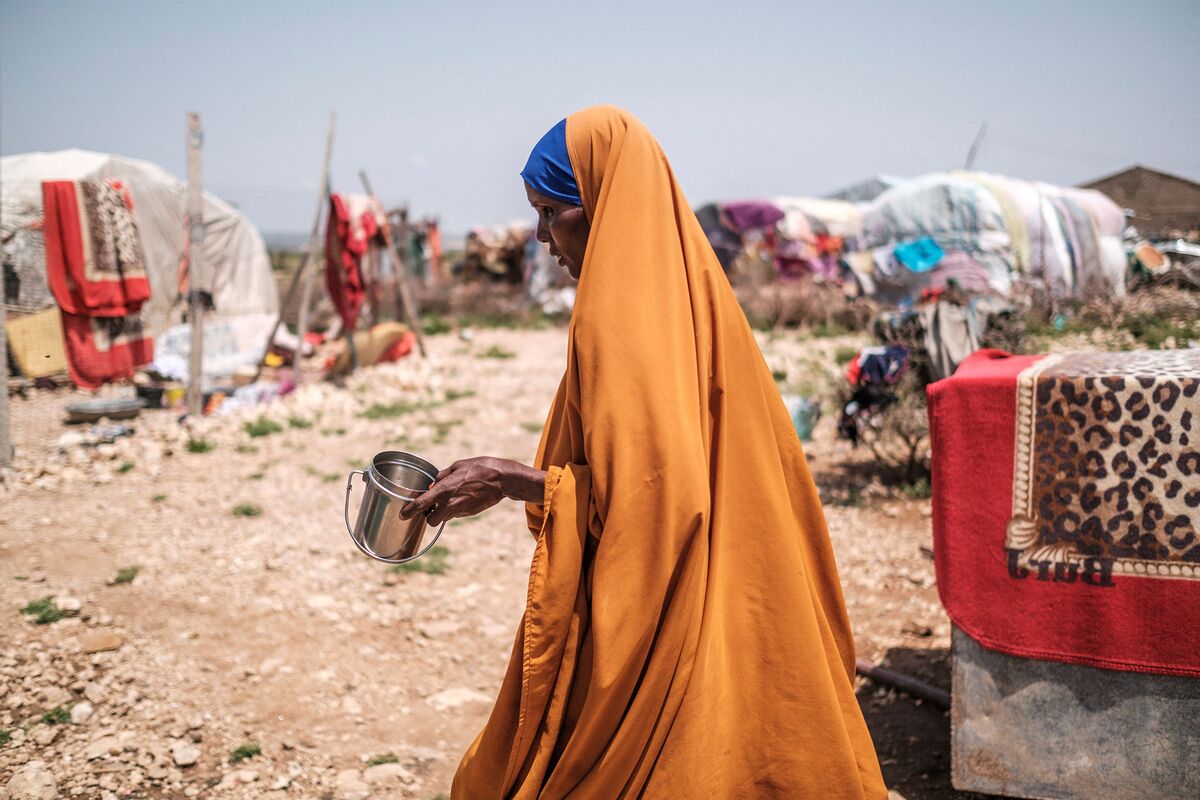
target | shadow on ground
[{"x": 912, "y": 737}]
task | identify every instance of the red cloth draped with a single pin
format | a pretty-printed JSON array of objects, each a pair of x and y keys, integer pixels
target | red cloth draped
[
  {"x": 104, "y": 349},
  {"x": 1121, "y": 622},
  {"x": 90, "y": 273},
  {"x": 348, "y": 234},
  {"x": 96, "y": 272}
]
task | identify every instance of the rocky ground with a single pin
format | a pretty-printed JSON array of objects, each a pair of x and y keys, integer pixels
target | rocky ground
[{"x": 183, "y": 615}]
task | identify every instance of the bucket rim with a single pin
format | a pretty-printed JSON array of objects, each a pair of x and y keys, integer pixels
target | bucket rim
[{"x": 405, "y": 459}]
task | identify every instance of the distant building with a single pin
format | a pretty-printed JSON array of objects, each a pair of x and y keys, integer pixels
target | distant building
[{"x": 1161, "y": 202}]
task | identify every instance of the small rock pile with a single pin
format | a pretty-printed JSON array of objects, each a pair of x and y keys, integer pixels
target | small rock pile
[
  {"x": 76, "y": 720},
  {"x": 101, "y": 453}
]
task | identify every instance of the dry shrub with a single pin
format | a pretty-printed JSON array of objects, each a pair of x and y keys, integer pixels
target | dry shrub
[
  {"x": 806, "y": 303},
  {"x": 899, "y": 437}
]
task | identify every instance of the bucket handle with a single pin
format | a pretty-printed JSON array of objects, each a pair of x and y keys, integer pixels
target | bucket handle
[
  {"x": 346, "y": 516},
  {"x": 349, "y": 486}
]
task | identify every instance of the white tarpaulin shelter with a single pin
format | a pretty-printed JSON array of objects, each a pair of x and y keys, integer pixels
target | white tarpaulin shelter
[{"x": 233, "y": 251}]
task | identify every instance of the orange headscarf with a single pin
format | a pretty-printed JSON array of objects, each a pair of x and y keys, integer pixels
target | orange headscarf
[{"x": 685, "y": 634}]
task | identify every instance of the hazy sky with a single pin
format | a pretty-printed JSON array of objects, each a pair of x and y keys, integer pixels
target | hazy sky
[{"x": 440, "y": 102}]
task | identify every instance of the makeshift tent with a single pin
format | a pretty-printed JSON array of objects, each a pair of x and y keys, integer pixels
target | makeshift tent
[
  {"x": 995, "y": 230},
  {"x": 233, "y": 251}
]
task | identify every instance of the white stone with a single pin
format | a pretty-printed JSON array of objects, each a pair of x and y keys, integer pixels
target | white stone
[
  {"x": 184, "y": 754},
  {"x": 351, "y": 706},
  {"x": 456, "y": 698},
  {"x": 350, "y": 786},
  {"x": 103, "y": 746},
  {"x": 54, "y": 696},
  {"x": 320, "y": 601},
  {"x": 80, "y": 712},
  {"x": 438, "y": 630},
  {"x": 32, "y": 781},
  {"x": 71, "y": 605},
  {"x": 387, "y": 774},
  {"x": 44, "y": 735}
]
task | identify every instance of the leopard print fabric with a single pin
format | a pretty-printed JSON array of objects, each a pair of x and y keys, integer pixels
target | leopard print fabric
[
  {"x": 1108, "y": 462},
  {"x": 111, "y": 244}
]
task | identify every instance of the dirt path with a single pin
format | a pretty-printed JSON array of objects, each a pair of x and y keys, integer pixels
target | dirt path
[{"x": 272, "y": 630}]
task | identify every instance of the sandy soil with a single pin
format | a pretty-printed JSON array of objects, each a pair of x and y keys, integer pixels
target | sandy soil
[{"x": 273, "y": 630}]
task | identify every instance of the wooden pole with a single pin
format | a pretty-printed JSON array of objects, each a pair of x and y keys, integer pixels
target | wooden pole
[
  {"x": 975, "y": 144},
  {"x": 406, "y": 299},
  {"x": 197, "y": 282},
  {"x": 6, "y": 447},
  {"x": 313, "y": 244}
]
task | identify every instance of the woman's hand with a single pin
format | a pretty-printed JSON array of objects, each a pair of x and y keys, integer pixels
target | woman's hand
[{"x": 467, "y": 487}]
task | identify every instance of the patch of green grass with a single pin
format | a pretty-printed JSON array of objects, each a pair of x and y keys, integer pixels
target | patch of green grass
[
  {"x": 383, "y": 758},
  {"x": 126, "y": 466},
  {"x": 256, "y": 476},
  {"x": 390, "y": 410},
  {"x": 262, "y": 427},
  {"x": 200, "y": 446},
  {"x": 299, "y": 422},
  {"x": 432, "y": 563},
  {"x": 245, "y": 751},
  {"x": 127, "y": 574},
  {"x": 59, "y": 715},
  {"x": 531, "y": 427},
  {"x": 5, "y": 736},
  {"x": 434, "y": 325},
  {"x": 333, "y": 431},
  {"x": 44, "y": 611},
  {"x": 828, "y": 330},
  {"x": 158, "y": 498},
  {"x": 1153, "y": 330},
  {"x": 496, "y": 351},
  {"x": 844, "y": 355},
  {"x": 442, "y": 429},
  {"x": 780, "y": 375},
  {"x": 458, "y": 394},
  {"x": 852, "y": 499},
  {"x": 247, "y": 510},
  {"x": 246, "y": 449},
  {"x": 917, "y": 490}
]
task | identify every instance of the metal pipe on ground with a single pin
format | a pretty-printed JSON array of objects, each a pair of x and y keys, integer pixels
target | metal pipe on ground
[{"x": 905, "y": 683}]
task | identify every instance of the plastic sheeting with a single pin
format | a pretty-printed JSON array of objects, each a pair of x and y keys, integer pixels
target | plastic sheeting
[
  {"x": 1063, "y": 238},
  {"x": 960, "y": 214}
]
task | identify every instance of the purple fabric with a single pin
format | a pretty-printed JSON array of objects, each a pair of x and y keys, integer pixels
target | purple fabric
[{"x": 751, "y": 215}]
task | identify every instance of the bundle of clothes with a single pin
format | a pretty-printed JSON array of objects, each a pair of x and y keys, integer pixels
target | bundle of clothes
[
  {"x": 872, "y": 373},
  {"x": 930, "y": 340}
]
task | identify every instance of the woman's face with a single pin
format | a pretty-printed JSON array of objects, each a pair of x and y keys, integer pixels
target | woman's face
[{"x": 564, "y": 227}]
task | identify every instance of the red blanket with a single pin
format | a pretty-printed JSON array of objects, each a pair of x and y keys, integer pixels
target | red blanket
[
  {"x": 104, "y": 349},
  {"x": 94, "y": 262},
  {"x": 1129, "y": 598},
  {"x": 97, "y": 274},
  {"x": 353, "y": 222}
]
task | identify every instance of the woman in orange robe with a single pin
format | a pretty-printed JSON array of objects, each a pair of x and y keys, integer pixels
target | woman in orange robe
[{"x": 685, "y": 634}]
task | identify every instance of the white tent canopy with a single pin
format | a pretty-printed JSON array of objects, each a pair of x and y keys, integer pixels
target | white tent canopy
[{"x": 233, "y": 250}]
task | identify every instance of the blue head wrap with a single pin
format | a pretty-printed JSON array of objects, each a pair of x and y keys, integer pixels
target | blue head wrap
[{"x": 549, "y": 167}]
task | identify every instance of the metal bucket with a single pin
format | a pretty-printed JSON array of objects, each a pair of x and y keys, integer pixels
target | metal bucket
[{"x": 393, "y": 479}]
